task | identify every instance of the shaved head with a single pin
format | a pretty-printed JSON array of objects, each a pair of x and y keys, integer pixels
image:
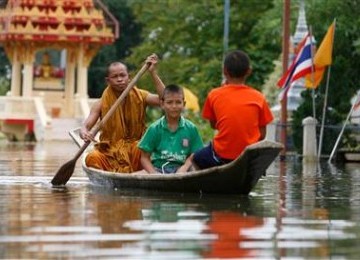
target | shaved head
[{"x": 115, "y": 64}]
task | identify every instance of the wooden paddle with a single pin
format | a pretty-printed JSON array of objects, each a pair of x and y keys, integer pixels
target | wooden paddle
[{"x": 66, "y": 171}]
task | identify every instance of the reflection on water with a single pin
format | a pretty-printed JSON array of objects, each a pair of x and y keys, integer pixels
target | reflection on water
[{"x": 297, "y": 211}]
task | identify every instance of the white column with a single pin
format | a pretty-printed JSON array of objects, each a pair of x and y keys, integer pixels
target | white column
[
  {"x": 271, "y": 131},
  {"x": 82, "y": 81},
  {"x": 69, "y": 85},
  {"x": 309, "y": 139},
  {"x": 81, "y": 74},
  {"x": 85, "y": 80},
  {"x": 27, "y": 79},
  {"x": 15, "y": 78},
  {"x": 15, "y": 74}
]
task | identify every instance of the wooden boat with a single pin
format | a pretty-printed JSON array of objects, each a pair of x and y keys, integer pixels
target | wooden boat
[{"x": 237, "y": 177}]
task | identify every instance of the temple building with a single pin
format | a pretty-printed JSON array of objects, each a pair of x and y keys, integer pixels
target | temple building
[
  {"x": 294, "y": 98},
  {"x": 50, "y": 44}
]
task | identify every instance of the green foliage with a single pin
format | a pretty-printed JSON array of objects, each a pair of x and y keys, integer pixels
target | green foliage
[
  {"x": 4, "y": 86},
  {"x": 344, "y": 76},
  {"x": 350, "y": 142},
  {"x": 129, "y": 37},
  {"x": 4, "y": 73},
  {"x": 205, "y": 130},
  {"x": 188, "y": 36}
]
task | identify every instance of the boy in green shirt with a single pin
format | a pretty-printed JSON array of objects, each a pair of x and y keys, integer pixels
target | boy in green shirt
[{"x": 169, "y": 143}]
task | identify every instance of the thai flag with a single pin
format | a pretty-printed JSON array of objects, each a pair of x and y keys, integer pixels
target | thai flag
[
  {"x": 300, "y": 67},
  {"x": 357, "y": 104}
]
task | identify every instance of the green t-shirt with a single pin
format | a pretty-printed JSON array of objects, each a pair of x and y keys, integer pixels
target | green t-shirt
[{"x": 173, "y": 147}]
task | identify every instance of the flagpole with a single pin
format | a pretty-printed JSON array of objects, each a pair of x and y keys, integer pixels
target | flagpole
[
  {"x": 285, "y": 59},
  {"x": 325, "y": 103},
  {"x": 324, "y": 112},
  {"x": 226, "y": 32},
  {"x": 312, "y": 72},
  {"x": 343, "y": 128},
  {"x": 226, "y": 25}
]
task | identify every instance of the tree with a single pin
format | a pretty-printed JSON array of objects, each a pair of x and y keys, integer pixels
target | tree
[
  {"x": 344, "y": 78},
  {"x": 4, "y": 72},
  {"x": 129, "y": 37},
  {"x": 188, "y": 36}
]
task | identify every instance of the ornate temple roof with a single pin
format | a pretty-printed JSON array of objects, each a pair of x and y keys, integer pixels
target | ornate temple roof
[
  {"x": 301, "y": 25},
  {"x": 57, "y": 21}
]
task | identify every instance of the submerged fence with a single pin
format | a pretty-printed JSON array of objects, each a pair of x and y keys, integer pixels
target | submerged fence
[{"x": 331, "y": 132}]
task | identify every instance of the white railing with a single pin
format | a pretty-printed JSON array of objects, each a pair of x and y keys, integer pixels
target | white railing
[
  {"x": 41, "y": 111},
  {"x": 83, "y": 106},
  {"x": 26, "y": 108},
  {"x": 17, "y": 107},
  {"x": 34, "y": 108}
]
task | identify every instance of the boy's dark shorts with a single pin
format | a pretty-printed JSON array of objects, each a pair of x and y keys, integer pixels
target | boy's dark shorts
[
  {"x": 166, "y": 170},
  {"x": 206, "y": 158}
]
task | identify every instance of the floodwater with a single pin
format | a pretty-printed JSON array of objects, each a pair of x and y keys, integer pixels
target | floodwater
[{"x": 296, "y": 212}]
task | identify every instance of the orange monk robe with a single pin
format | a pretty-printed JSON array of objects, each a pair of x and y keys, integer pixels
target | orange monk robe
[{"x": 117, "y": 150}]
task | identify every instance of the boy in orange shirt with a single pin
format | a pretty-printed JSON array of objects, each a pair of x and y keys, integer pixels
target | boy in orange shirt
[{"x": 238, "y": 112}]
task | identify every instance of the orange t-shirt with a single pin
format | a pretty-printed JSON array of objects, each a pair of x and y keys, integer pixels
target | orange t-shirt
[{"x": 238, "y": 112}]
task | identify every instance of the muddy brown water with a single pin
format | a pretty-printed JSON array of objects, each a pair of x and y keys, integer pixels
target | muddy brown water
[{"x": 296, "y": 212}]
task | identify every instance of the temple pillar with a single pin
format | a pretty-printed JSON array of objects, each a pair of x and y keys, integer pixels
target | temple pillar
[
  {"x": 81, "y": 74},
  {"x": 27, "y": 79},
  {"x": 15, "y": 75},
  {"x": 27, "y": 58},
  {"x": 82, "y": 81},
  {"x": 70, "y": 82}
]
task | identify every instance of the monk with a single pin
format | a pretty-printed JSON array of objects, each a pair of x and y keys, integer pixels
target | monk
[{"x": 117, "y": 150}]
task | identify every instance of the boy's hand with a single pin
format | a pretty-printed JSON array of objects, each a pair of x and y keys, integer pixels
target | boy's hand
[{"x": 182, "y": 169}]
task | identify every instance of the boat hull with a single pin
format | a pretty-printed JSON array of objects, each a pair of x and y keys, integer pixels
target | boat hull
[{"x": 237, "y": 177}]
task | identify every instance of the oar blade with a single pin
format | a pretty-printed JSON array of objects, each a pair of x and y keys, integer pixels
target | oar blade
[{"x": 64, "y": 173}]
